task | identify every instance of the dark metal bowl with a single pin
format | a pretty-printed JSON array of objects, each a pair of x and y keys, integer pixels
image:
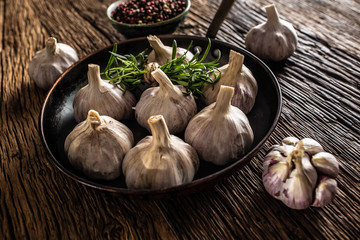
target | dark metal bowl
[{"x": 57, "y": 120}]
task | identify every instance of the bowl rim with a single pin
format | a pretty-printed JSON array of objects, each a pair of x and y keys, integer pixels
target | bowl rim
[{"x": 115, "y": 4}]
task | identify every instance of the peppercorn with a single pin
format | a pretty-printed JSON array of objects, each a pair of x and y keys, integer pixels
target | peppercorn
[{"x": 147, "y": 11}]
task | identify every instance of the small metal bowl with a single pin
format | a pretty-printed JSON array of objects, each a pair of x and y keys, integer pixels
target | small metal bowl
[{"x": 140, "y": 30}]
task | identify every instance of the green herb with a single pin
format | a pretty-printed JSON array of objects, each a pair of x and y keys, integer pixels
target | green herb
[{"x": 125, "y": 70}]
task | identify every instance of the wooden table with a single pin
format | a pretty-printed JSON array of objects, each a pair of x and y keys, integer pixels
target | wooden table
[{"x": 320, "y": 85}]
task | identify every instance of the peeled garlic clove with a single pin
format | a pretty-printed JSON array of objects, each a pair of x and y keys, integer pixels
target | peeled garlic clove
[
  {"x": 102, "y": 96},
  {"x": 326, "y": 163},
  {"x": 274, "y": 39},
  {"x": 167, "y": 100},
  {"x": 311, "y": 146},
  {"x": 49, "y": 63},
  {"x": 98, "y": 145},
  {"x": 297, "y": 191},
  {"x": 325, "y": 192},
  {"x": 220, "y": 133},
  {"x": 159, "y": 161},
  {"x": 162, "y": 54},
  {"x": 237, "y": 75}
]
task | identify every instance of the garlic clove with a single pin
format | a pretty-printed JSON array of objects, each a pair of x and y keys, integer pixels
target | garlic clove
[
  {"x": 167, "y": 100},
  {"x": 326, "y": 163},
  {"x": 159, "y": 161},
  {"x": 311, "y": 146},
  {"x": 290, "y": 141},
  {"x": 104, "y": 97},
  {"x": 220, "y": 132},
  {"x": 274, "y": 39},
  {"x": 325, "y": 192},
  {"x": 49, "y": 63},
  {"x": 98, "y": 145},
  {"x": 235, "y": 74},
  {"x": 162, "y": 54}
]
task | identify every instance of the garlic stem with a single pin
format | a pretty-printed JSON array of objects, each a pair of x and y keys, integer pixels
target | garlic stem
[
  {"x": 163, "y": 80},
  {"x": 223, "y": 100},
  {"x": 272, "y": 14},
  {"x": 159, "y": 131},
  {"x": 157, "y": 45},
  {"x": 94, "y": 78},
  {"x": 236, "y": 61},
  {"x": 51, "y": 45},
  {"x": 94, "y": 118}
]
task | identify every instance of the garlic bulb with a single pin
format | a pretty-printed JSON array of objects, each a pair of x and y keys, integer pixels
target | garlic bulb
[
  {"x": 159, "y": 161},
  {"x": 236, "y": 75},
  {"x": 167, "y": 100},
  {"x": 98, "y": 145},
  {"x": 162, "y": 54},
  {"x": 275, "y": 39},
  {"x": 49, "y": 63},
  {"x": 300, "y": 173},
  {"x": 102, "y": 96},
  {"x": 220, "y": 133}
]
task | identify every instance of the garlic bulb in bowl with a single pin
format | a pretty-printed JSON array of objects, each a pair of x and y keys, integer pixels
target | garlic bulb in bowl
[
  {"x": 235, "y": 74},
  {"x": 159, "y": 161},
  {"x": 220, "y": 133},
  {"x": 275, "y": 39},
  {"x": 102, "y": 96},
  {"x": 49, "y": 63},
  {"x": 98, "y": 145},
  {"x": 167, "y": 100}
]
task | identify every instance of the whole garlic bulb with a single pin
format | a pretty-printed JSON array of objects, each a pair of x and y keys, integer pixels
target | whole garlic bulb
[
  {"x": 98, "y": 145},
  {"x": 162, "y": 54},
  {"x": 159, "y": 161},
  {"x": 237, "y": 75},
  {"x": 49, "y": 63},
  {"x": 300, "y": 173},
  {"x": 102, "y": 96},
  {"x": 275, "y": 39},
  {"x": 220, "y": 133},
  {"x": 167, "y": 100}
]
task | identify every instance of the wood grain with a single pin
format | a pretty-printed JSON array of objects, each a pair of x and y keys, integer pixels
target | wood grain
[{"x": 320, "y": 85}]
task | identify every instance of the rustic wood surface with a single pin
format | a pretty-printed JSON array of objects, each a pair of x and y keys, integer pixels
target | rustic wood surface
[{"x": 320, "y": 85}]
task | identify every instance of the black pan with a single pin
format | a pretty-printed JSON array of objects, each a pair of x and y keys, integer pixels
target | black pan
[{"x": 56, "y": 118}]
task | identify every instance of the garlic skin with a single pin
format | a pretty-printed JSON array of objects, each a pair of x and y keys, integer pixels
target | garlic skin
[
  {"x": 98, "y": 145},
  {"x": 300, "y": 173},
  {"x": 102, "y": 96},
  {"x": 159, "y": 161},
  {"x": 274, "y": 39},
  {"x": 167, "y": 100},
  {"x": 162, "y": 54},
  {"x": 220, "y": 133},
  {"x": 235, "y": 74},
  {"x": 49, "y": 63},
  {"x": 152, "y": 66}
]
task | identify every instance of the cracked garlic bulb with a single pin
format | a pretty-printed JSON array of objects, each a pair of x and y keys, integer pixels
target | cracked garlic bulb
[
  {"x": 159, "y": 161},
  {"x": 235, "y": 74},
  {"x": 162, "y": 54},
  {"x": 300, "y": 173},
  {"x": 49, "y": 63},
  {"x": 98, "y": 145},
  {"x": 220, "y": 133},
  {"x": 167, "y": 100},
  {"x": 102, "y": 96},
  {"x": 275, "y": 39}
]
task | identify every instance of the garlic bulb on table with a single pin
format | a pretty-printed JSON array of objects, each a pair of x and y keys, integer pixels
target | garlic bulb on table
[
  {"x": 275, "y": 39},
  {"x": 300, "y": 173},
  {"x": 102, "y": 96},
  {"x": 167, "y": 100},
  {"x": 98, "y": 145},
  {"x": 162, "y": 54},
  {"x": 49, "y": 63},
  {"x": 220, "y": 133},
  {"x": 159, "y": 161},
  {"x": 237, "y": 75}
]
